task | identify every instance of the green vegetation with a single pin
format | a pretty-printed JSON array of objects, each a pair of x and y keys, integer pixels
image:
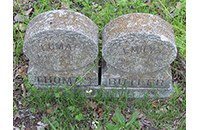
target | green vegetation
[
  {"x": 70, "y": 109},
  {"x": 121, "y": 123}
]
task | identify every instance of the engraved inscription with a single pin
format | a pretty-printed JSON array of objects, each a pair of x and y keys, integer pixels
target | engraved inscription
[
  {"x": 144, "y": 49},
  {"x": 138, "y": 53},
  {"x": 146, "y": 83},
  {"x": 61, "y": 80},
  {"x": 61, "y": 50}
]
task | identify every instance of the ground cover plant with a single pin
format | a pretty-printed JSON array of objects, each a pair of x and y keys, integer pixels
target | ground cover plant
[{"x": 53, "y": 108}]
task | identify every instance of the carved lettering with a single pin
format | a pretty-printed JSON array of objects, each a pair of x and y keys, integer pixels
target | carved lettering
[
  {"x": 89, "y": 79},
  {"x": 61, "y": 46},
  {"x": 58, "y": 46},
  {"x": 48, "y": 79},
  {"x": 122, "y": 82},
  {"x": 112, "y": 82},
  {"x": 148, "y": 82},
  {"x": 125, "y": 50},
  {"x": 141, "y": 50},
  {"x": 40, "y": 79},
  {"x": 56, "y": 80},
  {"x": 135, "y": 82},
  {"x": 159, "y": 82},
  {"x": 67, "y": 81},
  {"x": 68, "y": 47},
  {"x": 62, "y": 80},
  {"x": 135, "y": 49}
]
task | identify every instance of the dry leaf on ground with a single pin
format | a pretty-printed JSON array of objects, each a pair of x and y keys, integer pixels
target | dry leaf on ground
[
  {"x": 16, "y": 92},
  {"x": 50, "y": 111},
  {"x": 20, "y": 18},
  {"x": 92, "y": 104},
  {"x": 15, "y": 128},
  {"x": 155, "y": 104},
  {"x": 21, "y": 27},
  {"x": 64, "y": 5},
  {"x": 41, "y": 126},
  {"x": 28, "y": 11},
  {"x": 128, "y": 116},
  {"x": 22, "y": 71},
  {"x": 162, "y": 109},
  {"x": 178, "y": 6},
  {"x": 99, "y": 111},
  {"x": 149, "y": 3},
  {"x": 24, "y": 90},
  {"x": 17, "y": 115}
]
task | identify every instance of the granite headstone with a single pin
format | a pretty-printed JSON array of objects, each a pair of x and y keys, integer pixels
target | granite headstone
[
  {"x": 138, "y": 49},
  {"x": 61, "y": 45}
]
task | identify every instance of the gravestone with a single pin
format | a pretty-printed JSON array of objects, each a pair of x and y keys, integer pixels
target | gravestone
[
  {"x": 61, "y": 45},
  {"x": 138, "y": 50}
]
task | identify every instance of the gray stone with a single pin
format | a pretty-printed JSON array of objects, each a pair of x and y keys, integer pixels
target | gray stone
[
  {"x": 138, "y": 49},
  {"x": 61, "y": 45}
]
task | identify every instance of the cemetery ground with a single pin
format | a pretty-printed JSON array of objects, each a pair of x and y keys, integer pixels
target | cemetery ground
[{"x": 69, "y": 109}]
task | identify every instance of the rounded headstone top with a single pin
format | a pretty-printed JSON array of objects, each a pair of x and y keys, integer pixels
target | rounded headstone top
[
  {"x": 138, "y": 43},
  {"x": 61, "y": 40}
]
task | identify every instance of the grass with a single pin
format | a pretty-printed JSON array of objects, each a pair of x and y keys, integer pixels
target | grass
[{"x": 74, "y": 110}]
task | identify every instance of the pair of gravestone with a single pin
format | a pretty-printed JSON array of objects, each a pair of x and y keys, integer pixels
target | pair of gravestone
[{"x": 137, "y": 49}]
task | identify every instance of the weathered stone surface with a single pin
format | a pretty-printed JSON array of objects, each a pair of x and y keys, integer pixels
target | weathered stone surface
[
  {"x": 138, "y": 43},
  {"x": 113, "y": 77},
  {"x": 138, "y": 50},
  {"x": 159, "y": 82},
  {"x": 61, "y": 43},
  {"x": 39, "y": 77}
]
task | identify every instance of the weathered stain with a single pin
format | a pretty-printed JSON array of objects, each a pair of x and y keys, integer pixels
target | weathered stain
[
  {"x": 140, "y": 77},
  {"x": 136, "y": 22}
]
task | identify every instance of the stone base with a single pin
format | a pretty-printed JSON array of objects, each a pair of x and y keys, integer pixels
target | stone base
[
  {"x": 160, "y": 81},
  {"x": 119, "y": 91},
  {"x": 39, "y": 77},
  {"x": 113, "y": 82}
]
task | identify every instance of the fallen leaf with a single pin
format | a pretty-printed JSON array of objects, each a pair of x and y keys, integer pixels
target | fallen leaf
[
  {"x": 22, "y": 126},
  {"x": 155, "y": 104},
  {"x": 22, "y": 71},
  {"x": 162, "y": 109},
  {"x": 40, "y": 127},
  {"x": 92, "y": 104},
  {"x": 145, "y": 121},
  {"x": 20, "y": 18},
  {"x": 42, "y": 124},
  {"x": 178, "y": 6},
  {"x": 50, "y": 111},
  {"x": 64, "y": 6},
  {"x": 149, "y": 3},
  {"x": 15, "y": 128},
  {"x": 28, "y": 11},
  {"x": 17, "y": 115},
  {"x": 141, "y": 126},
  {"x": 21, "y": 27},
  {"x": 16, "y": 92},
  {"x": 24, "y": 90},
  {"x": 140, "y": 115},
  {"x": 20, "y": 103},
  {"x": 99, "y": 111},
  {"x": 128, "y": 116},
  {"x": 180, "y": 99}
]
